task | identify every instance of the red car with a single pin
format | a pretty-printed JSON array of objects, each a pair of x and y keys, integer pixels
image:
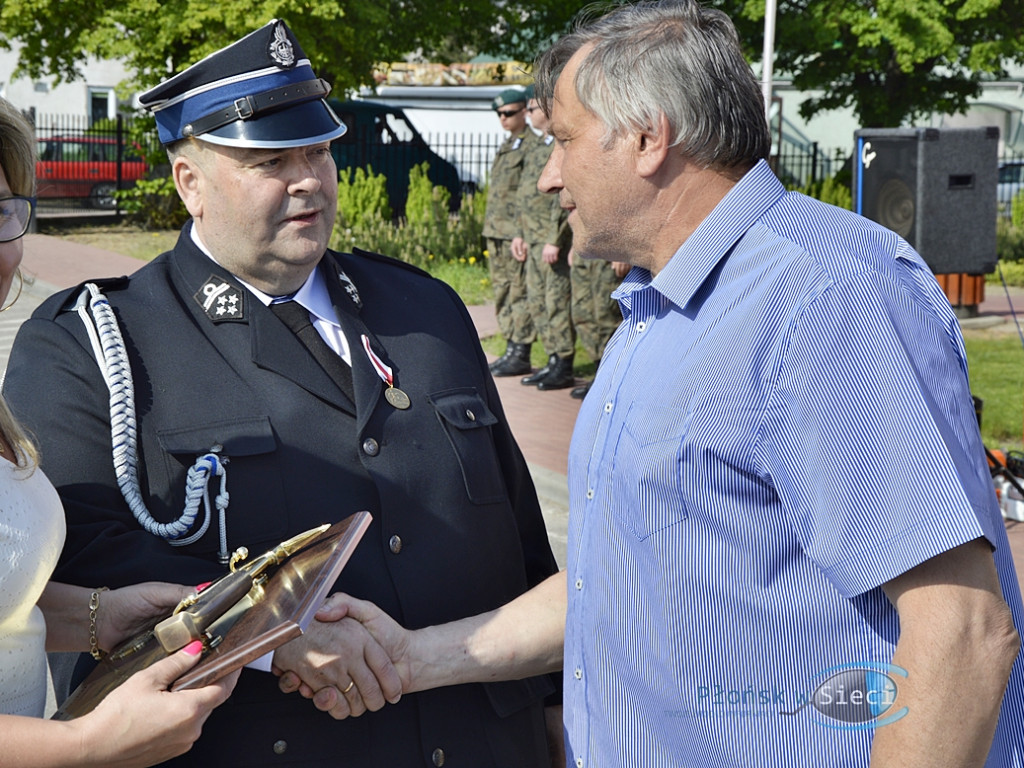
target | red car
[{"x": 84, "y": 166}]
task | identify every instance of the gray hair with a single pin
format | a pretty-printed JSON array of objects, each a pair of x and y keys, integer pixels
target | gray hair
[{"x": 666, "y": 57}]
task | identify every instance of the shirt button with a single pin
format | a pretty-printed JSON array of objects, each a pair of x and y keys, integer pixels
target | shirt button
[
  {"x": 640, "y": 327},
  {"x": 578, "y": 674},
  {"x": 579, "y": 583},
  {"x": 437, "y": 757},
  {"x": 607, "y": 407},
  {"x": 371, "y": 447},
  {"x": 280, "y": 747},
  {"x": 395, "y": 544},
  {"x": 579, "y": 762},
  {"x": 590, "y": 493}
]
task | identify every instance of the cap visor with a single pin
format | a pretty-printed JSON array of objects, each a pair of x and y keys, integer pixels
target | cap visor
[{"x": 309, "y": 123}]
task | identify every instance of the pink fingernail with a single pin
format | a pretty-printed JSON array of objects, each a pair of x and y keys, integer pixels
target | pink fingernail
[
  {"x": 194, "y": 648},
  {"x": 203, "y": 586}
]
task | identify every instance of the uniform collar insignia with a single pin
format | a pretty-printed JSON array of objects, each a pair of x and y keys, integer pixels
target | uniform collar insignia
[
  {"x": 221, "y": 301},
  {"x": 350, "y": 288},
  {"x": 281, "y": 50}
]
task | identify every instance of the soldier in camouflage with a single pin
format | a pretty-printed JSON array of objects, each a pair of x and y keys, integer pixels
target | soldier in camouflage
[
  {"x": 545, "y": 241},
  {"x": 595, "y": 315},
  {"x": 501, "y": 225}
]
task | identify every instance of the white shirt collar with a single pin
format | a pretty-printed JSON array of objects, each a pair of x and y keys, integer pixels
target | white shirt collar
[{"x": 313, "y": 294}]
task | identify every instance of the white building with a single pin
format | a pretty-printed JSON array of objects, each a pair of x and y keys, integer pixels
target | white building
[{"x": 93, "y": 95}]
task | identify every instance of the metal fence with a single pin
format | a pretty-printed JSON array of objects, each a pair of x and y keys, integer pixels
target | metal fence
[{"x": 81, "y": 165}]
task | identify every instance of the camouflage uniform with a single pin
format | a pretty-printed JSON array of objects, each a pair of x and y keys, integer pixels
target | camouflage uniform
[
  {"x": 501, "y": 224},
  {"x": 548, "y": 286},
  {"x": 594, "y": 313}
]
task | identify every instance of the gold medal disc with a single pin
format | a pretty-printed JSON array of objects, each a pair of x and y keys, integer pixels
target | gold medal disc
[{"x": 397, "y": 398}]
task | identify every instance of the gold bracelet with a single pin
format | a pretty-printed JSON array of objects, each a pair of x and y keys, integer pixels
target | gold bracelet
[{"x": 94, "y": 607}]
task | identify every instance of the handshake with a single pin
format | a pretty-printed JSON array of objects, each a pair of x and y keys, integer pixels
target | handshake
[{"x": 354, "y": 657}]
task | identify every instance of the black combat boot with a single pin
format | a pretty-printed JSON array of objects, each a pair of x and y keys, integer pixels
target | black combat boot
[
  {"x": 578, "y": 393},
  {"x": 560, "y": 376},
  {"x": 516, "y": 362},
  {"x": 501, "y": 360},
  {"x": 533, "y": 379}
]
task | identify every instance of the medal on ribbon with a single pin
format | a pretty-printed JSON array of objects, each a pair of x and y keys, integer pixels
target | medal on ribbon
[{"x": 395, "y": 397}]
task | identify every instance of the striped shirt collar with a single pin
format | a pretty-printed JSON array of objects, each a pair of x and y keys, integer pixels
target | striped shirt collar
[{"x": 695, "y": 260}]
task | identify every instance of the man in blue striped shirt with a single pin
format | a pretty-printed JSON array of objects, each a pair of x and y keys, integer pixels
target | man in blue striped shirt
[{"x": 784, "y": 546}]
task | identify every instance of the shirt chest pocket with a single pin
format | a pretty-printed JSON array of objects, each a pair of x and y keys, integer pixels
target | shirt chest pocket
[
  {"x": 257, "y": 508},
  {"x": 466, "y": 421},
  {"x": 647, "y": 488}
]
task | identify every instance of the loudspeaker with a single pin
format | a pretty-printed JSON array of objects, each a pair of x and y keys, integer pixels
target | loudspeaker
[{"x": 936, "y": 187}]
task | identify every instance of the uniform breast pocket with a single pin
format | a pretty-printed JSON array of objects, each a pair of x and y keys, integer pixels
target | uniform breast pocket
[
  {"x": 467, "y": 423},
  {"x": 257, "y": 511},
  {"x": 647, "y": 470}
]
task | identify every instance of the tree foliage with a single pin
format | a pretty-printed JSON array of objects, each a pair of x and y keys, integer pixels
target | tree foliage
[
  {"x": 343, "y": 38},
  {"x": 891, "y": 61}
]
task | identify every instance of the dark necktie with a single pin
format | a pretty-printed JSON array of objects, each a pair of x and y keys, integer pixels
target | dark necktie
[{"x": 296, "y": 317}]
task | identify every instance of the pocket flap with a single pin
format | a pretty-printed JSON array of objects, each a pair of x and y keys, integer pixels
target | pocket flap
[
  {"x": 463, "y": 408},
  {"x": 237, "y": 437}
]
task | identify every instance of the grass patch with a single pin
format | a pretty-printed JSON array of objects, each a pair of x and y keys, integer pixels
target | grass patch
[
  {"x": 996, "y": 364},
  {"x": 470, "y": 281}
]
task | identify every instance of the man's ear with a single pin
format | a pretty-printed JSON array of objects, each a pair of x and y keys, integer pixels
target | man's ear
[
  {"x": 190, "y": 182},
  {"x": 652, "y": 147}
]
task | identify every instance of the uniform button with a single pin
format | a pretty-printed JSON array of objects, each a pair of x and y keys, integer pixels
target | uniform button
[
  {"x": 280, "y": 747},
  {"x": 395, "y": 544},
  {"x": 470, "y": 415},
  {"x": 438, "y": 757},
  {"x": 371, "y": 447}
]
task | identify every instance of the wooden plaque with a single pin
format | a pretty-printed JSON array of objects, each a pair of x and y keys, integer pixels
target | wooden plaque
[{"x": 270, "y": 615}]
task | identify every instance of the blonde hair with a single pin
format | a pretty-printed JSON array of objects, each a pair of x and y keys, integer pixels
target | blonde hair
[{"x": 18, "y": 160}]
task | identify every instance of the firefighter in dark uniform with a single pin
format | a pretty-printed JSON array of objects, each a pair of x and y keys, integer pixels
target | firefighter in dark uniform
[{"x": 181, "y": 415}]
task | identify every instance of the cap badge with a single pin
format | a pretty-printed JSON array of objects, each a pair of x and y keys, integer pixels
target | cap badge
[
  {"x": 281, "y": 50},
  {"x": 221, "y": 300}
]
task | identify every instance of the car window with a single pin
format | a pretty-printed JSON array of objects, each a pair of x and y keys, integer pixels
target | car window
[{"x": 399, "y": 129}]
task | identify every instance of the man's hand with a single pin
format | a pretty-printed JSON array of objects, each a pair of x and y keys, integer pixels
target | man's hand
[
  {"x": 550, "y": 253},
  {"x": 518, "y": 248},
  {"x": 338, "y": 656}
]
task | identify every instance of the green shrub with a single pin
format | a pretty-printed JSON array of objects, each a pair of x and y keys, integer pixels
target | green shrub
[
  {"x": 153, "y": 204},
  {"x": 1017, "y": 210},
  {"x": 831, "y": 191},
  {"x": 426, "y": 203},
  {"x": 362, "y": 198},
  {"x": 427, "y": 237},
  {"x": 1009, "y": 240}
]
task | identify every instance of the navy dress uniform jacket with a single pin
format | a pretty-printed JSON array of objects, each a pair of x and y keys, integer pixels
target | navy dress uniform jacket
[{"x": 456, "y": 530}]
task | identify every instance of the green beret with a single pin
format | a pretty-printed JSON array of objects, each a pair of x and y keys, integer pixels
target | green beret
[
  {"x": 528, "y": 93},
  {"x": 508, "y": 96}
]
